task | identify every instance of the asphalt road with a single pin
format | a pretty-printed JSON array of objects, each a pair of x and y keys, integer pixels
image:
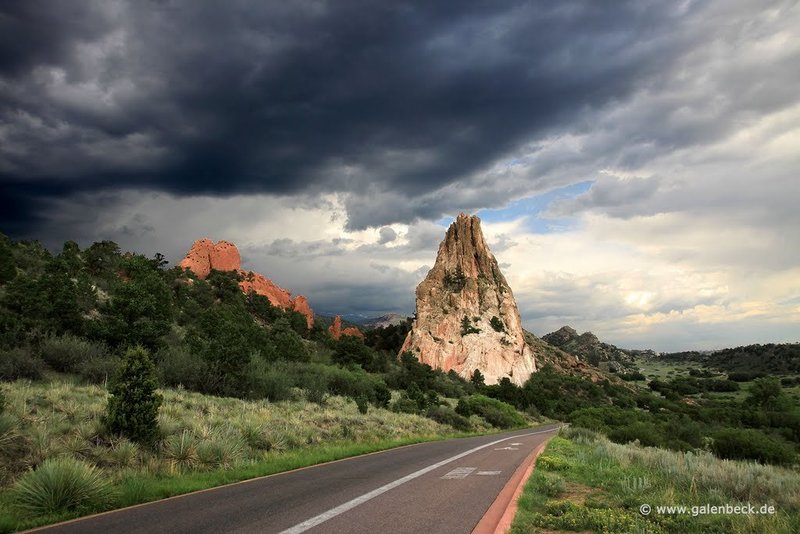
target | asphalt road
[{"x": 441, "y": 487}]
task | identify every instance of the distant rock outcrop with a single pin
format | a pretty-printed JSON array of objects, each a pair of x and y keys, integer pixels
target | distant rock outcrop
[
  {"x": 336, "y": 331},
  {"x": 466, "y": 317},
  {"x": 587, "y": 347},
  {"x": 205, "y": 255}
]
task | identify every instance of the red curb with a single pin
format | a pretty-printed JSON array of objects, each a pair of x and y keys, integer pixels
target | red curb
[{"x": 500, "y": 515}]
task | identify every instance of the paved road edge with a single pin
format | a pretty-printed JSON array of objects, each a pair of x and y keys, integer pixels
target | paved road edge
[{"x": 500, "y": 515}]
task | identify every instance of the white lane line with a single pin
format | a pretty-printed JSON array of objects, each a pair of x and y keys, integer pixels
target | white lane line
[
  {"x": 349, "y": 505},
  {"x": 512, "y": 444},
  {"x": 488, "y": 473},
  {"x": 508, "y": 449},
  {"x": 459, "y": 472}
]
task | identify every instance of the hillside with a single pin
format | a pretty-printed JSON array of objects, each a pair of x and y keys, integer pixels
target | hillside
[
  {"x": 771, "y": 358},
  {"x": 590, "y": 349}
]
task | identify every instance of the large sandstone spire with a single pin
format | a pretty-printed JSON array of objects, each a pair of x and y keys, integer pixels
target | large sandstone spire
[{"x": 467, "y": 318}]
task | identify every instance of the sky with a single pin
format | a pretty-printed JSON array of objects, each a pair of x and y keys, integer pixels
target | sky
[{"x": 636, "y": 164}]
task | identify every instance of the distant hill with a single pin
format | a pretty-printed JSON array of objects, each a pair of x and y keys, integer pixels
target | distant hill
[
  {"x": 590, "y": 349},
  {"x": 562, "y": 361},
  {"x": 390, "y": 319},
  {"x": 772, "y": 358}
]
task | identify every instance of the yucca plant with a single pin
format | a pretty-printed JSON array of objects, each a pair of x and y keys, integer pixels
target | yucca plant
[
  {"x": 124, "y": 453},
  {"x": 62, "y": 484},
  {"x": 181, "y": 451},
  {"x": 220, "y": 452}
]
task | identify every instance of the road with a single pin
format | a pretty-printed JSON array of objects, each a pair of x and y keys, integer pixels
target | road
[{"x": 442, "y": 487}]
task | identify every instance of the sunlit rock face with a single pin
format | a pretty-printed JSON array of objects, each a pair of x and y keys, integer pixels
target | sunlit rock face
[
  {"x": 466, "y": 317},
  {"x": 205, "y": 255},
  {"x": 336, "y": 331}
]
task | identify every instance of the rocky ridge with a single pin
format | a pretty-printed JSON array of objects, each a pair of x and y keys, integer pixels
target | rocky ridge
[
  {"x": 206, "y": 255},
  {"x": 466, "y": 316},
  {"x": 588, "y": 348}
]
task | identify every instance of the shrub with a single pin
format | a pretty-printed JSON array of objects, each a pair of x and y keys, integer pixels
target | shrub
[
  {"x": 62, "y": 484},
  {"x": 447, "y": 416},
  {"x": 267, "y": 382},
  {"x": 67, "y": 353},
  {"x": 467, "y": 328},
  {"x": 181, "y": 451},
  {"x": 19, "y": 363},
  {"x": 462, "y": 407},
  {"x": 98, "y": 370},
  {"x": 497, "y": 324},
  {"x": 132, "y": 408},
  {"x": 552, "y": 463},
  {"x": 579, "y": 434},
  {"x": 496, "y": 413},
  {"x": 748, "y": 444},
  {"x": 177, "y": 367},
  {"x": 405, "y": 405},
  {"x": 549, "y": 484},
  {"x": 363, "y": 404},
  {"x": 382, "y": 395},
  {"x": 646, "y": 433}
]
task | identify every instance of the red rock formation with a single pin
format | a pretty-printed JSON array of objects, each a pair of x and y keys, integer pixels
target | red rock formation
[
  {"x": 224, "y": 256},
  {"x": 466, "y": 317},
  {"x": 300, "y": 304},
  {"x": 336, "y": 331}
]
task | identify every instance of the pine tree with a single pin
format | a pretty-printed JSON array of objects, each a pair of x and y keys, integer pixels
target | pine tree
[{"x": 132, "y": 409}]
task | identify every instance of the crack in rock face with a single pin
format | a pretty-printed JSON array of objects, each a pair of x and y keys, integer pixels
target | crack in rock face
[{"x": 467, "y": 317}]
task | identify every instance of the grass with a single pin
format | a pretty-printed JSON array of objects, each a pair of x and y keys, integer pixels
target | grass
[
  {"x": 583, "y": 482},
  {"x": 205, "y": 441}
]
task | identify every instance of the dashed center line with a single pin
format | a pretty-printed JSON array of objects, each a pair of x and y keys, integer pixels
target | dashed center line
[{"x": 488, "y": 473}]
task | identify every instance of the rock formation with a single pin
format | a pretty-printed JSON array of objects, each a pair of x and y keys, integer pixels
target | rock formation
[
  {"x": 587, "y": 347},
  {"x": 224, "y": 256},
  {"x": 466, "y": 317},
  {"x": 205, "y": 255},
  {"x": 336, "y": 331}
]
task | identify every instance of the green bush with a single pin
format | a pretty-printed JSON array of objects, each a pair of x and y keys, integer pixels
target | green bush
[
  {"x": 496, "y": 413},
  {"x": 363, "y": 404},
  {"x": 646, "y": 433},
  {"x": 132, "y": 408},
  {"x": 549, "y": 484},
  {"x": 67, "y": 353},
  {"x": 62, "y": 484},
  {"x": 462, "y": 407},
  {"x": 177, "y": 367},
  {"x": 748, "y": 444},
  {"x": 20, "y": 363},
  {"x": 497, "y": 324},
  {"x": 552, "y": 463},
  {"x": 268, "y": 382},
  {"x": 405, "y": 405},
  {"x": 99, "y": 370},
  {"x": 382, "y": 395},
  {"x": 579, "y": 434},
  {"x": 447, "y": 416}
]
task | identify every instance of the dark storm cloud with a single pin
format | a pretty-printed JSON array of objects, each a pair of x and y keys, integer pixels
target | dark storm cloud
[{"x": 404, "y": 98}]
